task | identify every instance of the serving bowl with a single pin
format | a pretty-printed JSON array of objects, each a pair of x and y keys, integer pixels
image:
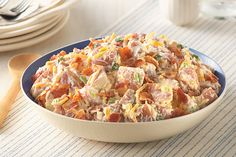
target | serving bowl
[{"x": 127, "y": 132}]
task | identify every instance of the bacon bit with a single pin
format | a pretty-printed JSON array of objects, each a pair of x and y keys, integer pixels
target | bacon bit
[
  {"x": 80, "y": 114},
  {"x": 62, "y": 53},
  {"x": 129, "y": 62},
  {"x": 211, "y": 77},
  {"x": 145, "y": 110},
  {"x": 177, "y": 51},
  {"x": 125, "y": 53},
  {"x": 139, "y": 63},
  {"x": 42, "y": 99},
  {"x": 98, "y": 41},
  {"x": 114, "y": 117},
  {"x": 58, "y": 91},
  {"x": 121, "y": 90},
  {"x": 36, "y": 76},
  {"x": 87, "y": 71},
  {"x": 148, "y": 80},
  {"x": 177, "y": 112},
  {"x": 90, "y": 45},
  {"x": 151, "y": 60},
  {"x": 145, "y": 96},
  {"x": 77, "y": 97},
  {"x": 121, "y": 84},
  {"x": 107, "y": 94},
  {"x": 182, "y": 98},
  {"x": 78, "y": 60}
]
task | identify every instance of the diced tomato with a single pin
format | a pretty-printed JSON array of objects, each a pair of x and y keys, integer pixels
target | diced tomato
[
  {"x": 181, "y": 96},
  {"x": 114, "y": 117},
  {"x": 87, "y": 71},
  {"x": 125, "y": 53},
  {"x": 58, "y": 91}
]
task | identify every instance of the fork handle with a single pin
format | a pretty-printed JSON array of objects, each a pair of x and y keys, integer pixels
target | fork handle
[{"x": 8, "y": 100}]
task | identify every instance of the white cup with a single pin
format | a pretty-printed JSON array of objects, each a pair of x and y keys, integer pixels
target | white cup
[{"x": 180, "y": 12}]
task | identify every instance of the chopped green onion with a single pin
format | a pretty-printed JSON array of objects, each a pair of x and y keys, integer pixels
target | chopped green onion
[
  {"x": 92, "y": 94},
  {"x": 61, "y": 59},
  {"x": 137, "y": 77},
  {"x": 112, "y": 100},
  {"x": 185, "y": 65},
  {"x": 193, "y": 109},
  {"x": 83, "y": 79},
  {"x": 180, "y": 46},
  {"x": 119, "y": 39},
  {"x": 195, "y": 56},
  {"x": 157, "y": 57},
  {"x": 115, "y": 66},
  {"x": 95, "y": 45}
]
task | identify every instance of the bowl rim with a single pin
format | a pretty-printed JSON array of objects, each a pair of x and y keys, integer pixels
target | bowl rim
[{"x": 215, "y": 102}]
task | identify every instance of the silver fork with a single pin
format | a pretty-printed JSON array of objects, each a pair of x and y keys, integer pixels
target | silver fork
[
  {"x": 3, "y": 3},
  {"x": 24, "y": 4}
]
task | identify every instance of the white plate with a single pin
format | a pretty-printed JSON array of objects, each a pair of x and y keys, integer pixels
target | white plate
[
  {"x": 37, "y": 39},
  {"x": 30, "y": 35},
  {"x": 29, "y": 29},
  {"x": 47, "y": 15}
]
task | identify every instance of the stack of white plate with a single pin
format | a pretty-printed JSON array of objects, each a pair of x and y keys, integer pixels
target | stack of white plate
[{"x": 34, "y": 29}]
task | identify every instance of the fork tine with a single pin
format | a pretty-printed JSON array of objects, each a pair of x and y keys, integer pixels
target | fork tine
[{"x": 22, "y": 6}]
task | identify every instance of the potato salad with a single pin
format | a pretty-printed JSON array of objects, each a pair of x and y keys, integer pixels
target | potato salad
[{"x": 125, "y": 78}]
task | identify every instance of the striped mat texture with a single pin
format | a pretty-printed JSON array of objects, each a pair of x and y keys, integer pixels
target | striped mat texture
[{"x": 25, "y": 134}]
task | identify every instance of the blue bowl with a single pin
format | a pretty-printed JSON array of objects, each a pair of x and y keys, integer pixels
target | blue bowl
[{"x": 120, "y": 132}]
